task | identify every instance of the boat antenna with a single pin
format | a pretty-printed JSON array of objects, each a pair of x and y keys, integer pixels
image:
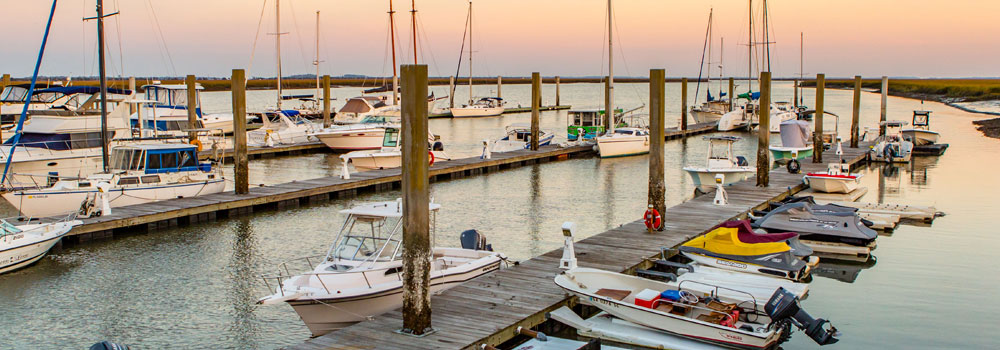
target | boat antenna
[
  {"x": 31, "y": 91},
  {"x": 317, "y": 61},
  {"x": 392, "y": 42}
]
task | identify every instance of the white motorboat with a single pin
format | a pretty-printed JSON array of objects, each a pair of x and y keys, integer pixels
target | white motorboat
[
  {"x": 623, "y": 142},
  {"x": 22, "y": 245},
  {"x": 920, "y": 134},
  {"x": 738, "y": 118},
  {"x": 891, "y": 147},
  {"x": 518, "y": 137},
  {"x": 780, "y": 113},
  {"x": 13, "y": 96},
  {"x": 390, "y": 155},
  {"x": 281, "y": 128},
  {"x": 720, "y": 161},
  {"x": 367, "y": 134},
  {"x": 484, "y": 107},
  {"x": 361, "y": 274},
  {"x": 796, "y": 141},
  {"x": 168, "y": 114},
  {"x": 357, "y": 108},
  {"x": 140, "y": 174},
  {"x": 837, "y": 179}
]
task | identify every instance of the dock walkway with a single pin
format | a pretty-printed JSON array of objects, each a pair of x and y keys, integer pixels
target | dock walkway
[{"x": 489, "y": 309}]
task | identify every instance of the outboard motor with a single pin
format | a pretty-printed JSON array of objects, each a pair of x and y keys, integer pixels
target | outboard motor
[
  {"x": 741, "y": 161},
  {"x": 106, "y": 345},
  {"x": 784, "y": 305},
  {"x": 472, "y": 239}
]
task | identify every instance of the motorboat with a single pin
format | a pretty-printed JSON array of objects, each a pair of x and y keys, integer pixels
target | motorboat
[
  {"x": 589, "y": 122},
  {"x": 24, "y": 244},
  {"x": 168, "y": 114},
  {"x": 892, "y": 147},
  {"x": 390, "y": 155},
  {"x": 837, "y": 179},
  {"x": 796, "y": 141},
  {"x": 357, "y": 108},
  {"x": 720, "y": 161},
  {"x": 623, "y": 142},
  {"x": 827, "y": 225},
  {"x": 732, "y": 322},
  {"x": 281, "y": 128},
  {"x": 738, "y": 118},
  {"x": 518, "y": 137},
  {"x": 710, "y": 111},
  {"x": 735, "y": 246},
  {"x": 920, "y": 134},
  {"x": 367, "y": 134},
  {"x": 361, "y": 274},
  {"x": 780, "y": 113},
  {"x": 483, "y": 107},
  {"x": 12, "y": 99},
  {"x": 140, "y": 173}
]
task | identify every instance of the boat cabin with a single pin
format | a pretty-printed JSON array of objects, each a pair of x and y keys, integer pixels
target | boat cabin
[
  {"x": 720, "y": 152},
  {"x": 74, "y": 100},
  {"x": 922, "y": 120},
  {"x": 363, "y": 104},
  {"x": 489, "y": 102},
  {"x": 16, "y": 94},
  {"x": 154, "y": 159},
  {"x": 590, "y": 120},
  {"x": 519, "y": 132},
  {"x": 371, "y": 233}
]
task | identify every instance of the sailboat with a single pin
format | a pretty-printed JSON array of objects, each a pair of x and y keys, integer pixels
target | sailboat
[
  {"x": 713, "y": 108},
  {"x": 485, "y": 106},
  {"x": 621, "y": 142},
  {"x": 303, "y": 110}
]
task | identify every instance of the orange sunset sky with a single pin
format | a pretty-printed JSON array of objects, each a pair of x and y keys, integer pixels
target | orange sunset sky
[{"x": 512, "y": 37}]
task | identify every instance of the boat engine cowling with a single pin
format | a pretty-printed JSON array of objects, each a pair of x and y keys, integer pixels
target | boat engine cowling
[
  {"x": 107, "y": 345},
  {"x": 784, "y": 305},
  {"x": 472, "y": 239}
]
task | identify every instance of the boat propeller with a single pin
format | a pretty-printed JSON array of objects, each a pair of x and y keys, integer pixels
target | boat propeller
[{"x": 784, "y": 305}]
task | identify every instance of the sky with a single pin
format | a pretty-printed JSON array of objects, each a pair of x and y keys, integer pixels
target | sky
[{"x": 913, "y": 38}]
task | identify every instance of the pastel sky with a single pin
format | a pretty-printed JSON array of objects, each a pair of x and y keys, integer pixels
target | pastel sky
[{"x": 922, "y": 38}]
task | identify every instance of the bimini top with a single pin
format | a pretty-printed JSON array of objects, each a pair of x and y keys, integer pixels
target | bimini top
[
  {"x": 390, "y": 209},
  {"x": 172, "y": 86},
  {"x": 894, "y": 123},
  {"x": 82, "y": 90},
  {"x": 723, "y": 138},
  {"x": 726, "y": 240},
  {"x": 158, "y": 147}
]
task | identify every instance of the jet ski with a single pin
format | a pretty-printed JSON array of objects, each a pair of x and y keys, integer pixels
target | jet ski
[
  {"x": 735, "y": 246},
  {"x": 828, "y": 223}
]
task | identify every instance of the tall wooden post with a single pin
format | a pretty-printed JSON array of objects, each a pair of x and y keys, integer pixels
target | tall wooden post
[
  {"x": 731, "y": 97},
  {"x": 684, "y": 104},
  {"x": 132, "y": 107},
  {"x": 499, "y": 86},
  {"x": 818, "y": 119},
  {"x": 451, "y": 91},
  {"x": 885, "y": 100},
  {"x": 6, "y": 81},
  {"x": 657, "y": 110},
  {"x": 764, "y": 131},
  {"x": 416, "y": 215},
  {"x": 536, "y": 105},
  {"x": 557, "y": 91},
  {"x": 326, "y": 102},
  {"x": 240, "y": 161},
  {"x": 192, "y": 106},
  {"x": 795, "y": 94},
  {"x": 856, "y": 117},
  {"x": 607, "y": 104}
]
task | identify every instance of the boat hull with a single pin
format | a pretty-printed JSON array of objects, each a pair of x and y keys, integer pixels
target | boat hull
[
  {"x": 830, "y": 184},
  {"x": 705, "y": 178},
  {"x": 748, "y": 267},
  {"x": 920, "y": 137},
  {"x": 458, "y": 112},
  {"x": 384, "y": 160},
  {"x": 21, "y": 250},
  {"x": 784, "y": 154},
  {"x": 41, "y": 203},
  {"x": 34, "y": 172},
  {"x": 353, "y": 139},
  {"x": 509, "y": 146},
  {"x": 622, "y": 146},
  {"x": 705, "y": 116},
  {"x": 733, "y": 120}
]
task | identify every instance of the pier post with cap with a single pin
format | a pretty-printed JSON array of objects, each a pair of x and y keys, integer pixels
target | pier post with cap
[
  {"x": 731, "y": 97},
  {"x": 818, "y": 119},
  {"x": 499, "y": 86},
  {"x": 684, "y": 104},
  {"x": 856, "y": 116},
  {"x": 795, "y": 93},
  {"x": 557, "y": 91},
  {"x": 451, "y": 91},
  {"x": 764, "y": 131},
  {"x": 326, "y": 102},
  {"x": 657, "y": 110},
  {"x": 240, "y": 161},
  {"x": 536, "y": 105},
  {"x": 192, "y": 106},
  {"x": 416, "y": 214}
]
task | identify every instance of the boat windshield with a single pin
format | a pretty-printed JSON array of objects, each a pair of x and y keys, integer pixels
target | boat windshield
[
  {"x": 585, "y": 118},
  {"x": 719, "y": 150},
  {"x": 391, "y": 138},
  {"x": 368, "y": 238},
  {"x": 375, "y": 119}
]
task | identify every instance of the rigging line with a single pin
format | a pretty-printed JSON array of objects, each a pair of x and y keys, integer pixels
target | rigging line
[
  {"x": 156, "y": 20},
  {"x": 83, "y": 42},
  {"x": 260, "y": 21},
  {"x": 702, "y": 65},
  {"x": 621, "y": 50},
  {"x": 604, "y": 40},
  {"x": 298, "y": 38},
  {"x": 461, "y": 50},
  {"x": 385, "y": 57},
  {"x": 121, "y": 52},
  {"x": 422, "y": 39},
  {"x": 152, "y": 28}
]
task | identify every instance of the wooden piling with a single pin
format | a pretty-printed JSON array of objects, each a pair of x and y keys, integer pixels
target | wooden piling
[
  {"x": 499, "y": 86},
  {"x": 856, "y": 116},
  {"x": 795, "y": 94},
  {"x": 240, "y": 161},
  {"x": 326, "y": 102},
  {"x": 557, "y": 91},
  {"x": 416, "y": 215},
  {"x": 451, "y": 91},
  {"x": 764, "y": 131},
  {"x": 731, "y": 97},
  {"x": 607, "y": 104},
  {"x": 657, "y": 110},
  {"x": 192, "y": 106},
  {"x": 536, "y": 105},
  {"x": 5, "y": 82},
  {"x": 818, "y": 119},
  {"x": 684, "y": 104},
  {"x": 131, "y": 87},
  {"x": 885, "y": 100}
]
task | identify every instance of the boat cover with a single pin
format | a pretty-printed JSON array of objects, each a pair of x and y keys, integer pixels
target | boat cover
[
  {"x": 795, "y": 133},
  {"x": 825, "y": 223},
  {"x": 725, "y": 243}
]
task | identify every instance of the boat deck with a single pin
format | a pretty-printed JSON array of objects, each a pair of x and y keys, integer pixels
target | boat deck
[{"x": 489, "y": 309}]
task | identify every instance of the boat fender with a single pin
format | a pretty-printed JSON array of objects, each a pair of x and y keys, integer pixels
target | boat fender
[
  {"x": 652, "y": 218},
  {"x": 793, "y": 166},
  {"x": 198, "y": 144},
  {"x": 431, "y": 158}
]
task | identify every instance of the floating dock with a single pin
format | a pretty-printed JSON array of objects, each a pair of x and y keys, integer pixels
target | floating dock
[
  {"x": 489, "y": 309},
  {"x": 447, "y": 113}
]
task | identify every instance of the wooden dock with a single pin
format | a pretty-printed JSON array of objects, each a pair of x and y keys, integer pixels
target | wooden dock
[
  {"x": 182, "y": 211},
  {"x": 267, "y": 152},
  {"x": 489, "y": 309},
  {"x": 447, "y": 114}
]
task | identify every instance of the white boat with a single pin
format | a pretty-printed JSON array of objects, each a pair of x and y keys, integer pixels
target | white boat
[
  {"x": 781, "y": 112},
  {"x": 720, "y": 161},
  {"x": 891, "y": 147},
  {"x": 357, "y": 108},
  {"x": 484, "y": 107},
  {"x": 710, "y": 111},
  {"x": 738, "y": 118},
  {"x": 390, "y": 155},
  {"x": 623, "y": 142},
  {"x": 12, "y": 99},
  {"x": 281, "y": 128},
  {"x": 140, "y": 174},
  {"x": 367, "y": 134},
  {"x": 796, "y": 141},
  {"x": 920, "y": 134},
  {"x": 837, "y": 179},
  {"x": 169, "y": 113},
  {"x": 518, "y": 137},
  {"x": 22, "y": 245},
  {"x": 361, "y": 275}
]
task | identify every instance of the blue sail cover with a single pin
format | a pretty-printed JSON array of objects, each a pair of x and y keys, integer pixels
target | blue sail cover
[{"x": 710, "y": 98}]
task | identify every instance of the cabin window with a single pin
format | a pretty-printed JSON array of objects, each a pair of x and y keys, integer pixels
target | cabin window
[
  {"x": 153, "y": 161},
  {"x": 179, "y": 97},
  {"x": 188, "y": 159},
  {"x": 14, "y": 94},
  {"x": 128, "y": 181},
  {"x": 137, "y": 163},
  {"x": 391, "y": 138},
  {"x": 169, "y": 160},
  {"x": 150, "y": 179}
]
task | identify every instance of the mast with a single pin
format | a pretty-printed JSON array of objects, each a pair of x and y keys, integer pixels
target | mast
[
  {"x": 722, "y": 47},
  {"x": 767, "y": 38},
  {"x": 708, "y": 72},
  {"x": 801, "y": 75},
  {"x": 277, "y": 44},
  {"x": 470, "y": 53},
  {"x": 392, "y": 39},
  {"x": 750, "y": 52},
  {"x": 316, "y": 62},
  {"x": 609, "y": 110},
  {"x": 413, "y": 19},
  {"x": 104, "y": 85}
]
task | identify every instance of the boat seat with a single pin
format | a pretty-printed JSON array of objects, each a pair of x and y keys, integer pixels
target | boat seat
[
  {"x": 721, "y": 307},
  {"x": 676, "y": 309},
  {"x": 715, "y": 318},
  {"x": 616, "y": 294}
]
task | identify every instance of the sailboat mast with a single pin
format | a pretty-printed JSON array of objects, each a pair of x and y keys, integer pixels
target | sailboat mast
[
  {"x": 708, "y": 72},
  {"x": 316, "y": 62},
  {"x": 470, "y": 53},
  {"x": 801, "y": 74},
  {"x": 413, "y": 19},
  {"x": 767, "y": 38},
  {"x": 392, "y": 41},
  {"x": 750, "y": 51},
  {"x": 277, "y": 44},
  {"x": 609, "y": 110},
  {"x": 722, "y": 48},
  {"x": 104, "y": 85}
]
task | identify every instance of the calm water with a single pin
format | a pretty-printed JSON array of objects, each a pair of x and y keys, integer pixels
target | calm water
[{"x": 194, "y": 287}]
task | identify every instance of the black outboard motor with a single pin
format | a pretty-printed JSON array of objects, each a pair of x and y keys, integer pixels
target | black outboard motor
[
  {"x": 472, "y": 239},
  {"x": 784, "y": 305},
  {"x": 741, "y": 161},
  {"x": 106, "y": 345}
]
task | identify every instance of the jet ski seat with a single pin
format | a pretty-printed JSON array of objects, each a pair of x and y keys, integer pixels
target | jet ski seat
[{"x": 746, "y": 234}]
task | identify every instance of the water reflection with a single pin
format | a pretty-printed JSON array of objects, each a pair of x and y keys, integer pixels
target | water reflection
[
  {"x": 242, "y": 294},
  {"x": 534, "y": 206},
  {"x": 842, "y": 270}
]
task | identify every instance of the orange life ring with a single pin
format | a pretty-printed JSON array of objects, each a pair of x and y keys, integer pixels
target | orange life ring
[
  {"x": 652, "y": 219},
  {"x": 431, "y": 153},
  {"x": 196, "y": 142}
]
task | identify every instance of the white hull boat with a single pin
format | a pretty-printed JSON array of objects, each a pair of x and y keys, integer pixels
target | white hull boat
[
  {"x": 284, "y": 131},
  {"x": 837, "y": 179},
  {"x": 372, "y": 160},
  {"x": 721, "y": 161},
  {"x": 701, "y": 116},
  {"x": 704, "y": 178},
  {"x": 623, "y": 142},
  {"x": 518, "y": 137},
  {"x": 891, "y": 147},
  {"x": 734, "y": 120},
  {"x": 921, "y": 137},
  {"x": 354, "y": 138},
  {"x": 22, "y": 245},
  {"x": 796, "y": 141},
  {"x": 484, "y": 107}
]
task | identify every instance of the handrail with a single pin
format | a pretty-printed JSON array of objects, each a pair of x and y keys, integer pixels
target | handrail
[{"x": 715, "y": 293}]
